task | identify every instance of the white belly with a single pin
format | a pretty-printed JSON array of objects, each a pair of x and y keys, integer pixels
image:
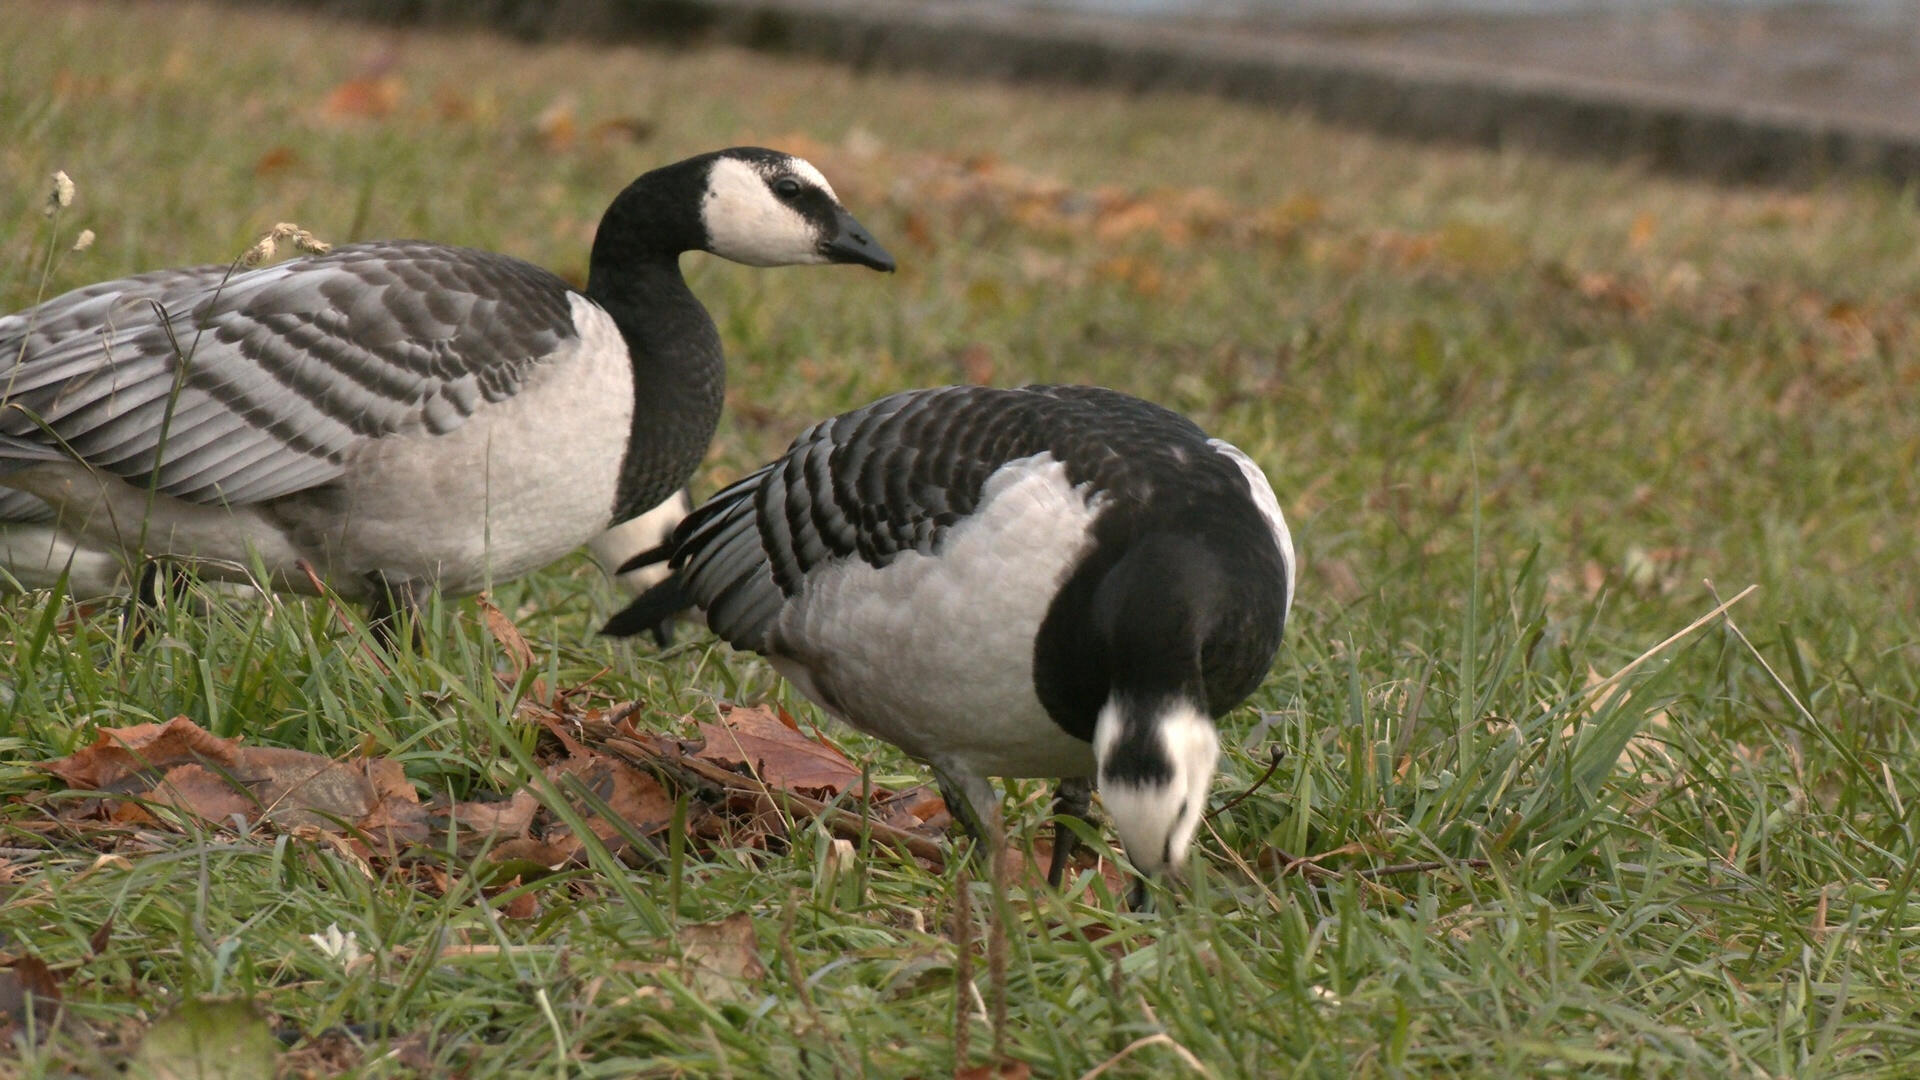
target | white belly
[
  {"x": 523, "y": 482},
  {"x": 36, "y": 555},
  {"x": 934, "y": 653}
]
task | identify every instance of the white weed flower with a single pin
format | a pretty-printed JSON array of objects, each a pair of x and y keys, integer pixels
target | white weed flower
[
  {"x": 61, "y": 196},
  {"x": 341, "y": 948},
  {"x": 84, "y": 240}
]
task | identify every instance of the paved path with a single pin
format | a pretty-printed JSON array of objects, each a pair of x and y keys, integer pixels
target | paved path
[{"x": 1780, "y": 95}]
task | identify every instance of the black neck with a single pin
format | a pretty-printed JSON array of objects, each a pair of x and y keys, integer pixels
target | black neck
[
  {"x": 679, "y": 377},
  {"x": 1189, "y": 612},
  {"x": 679, "y": 374}
]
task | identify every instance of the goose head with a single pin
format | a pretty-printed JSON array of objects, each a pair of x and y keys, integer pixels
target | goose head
[
  {"x": 765, "y": 208},
  {"x": 1155, "y": 761},
  {"x": 753, "y": 206}
]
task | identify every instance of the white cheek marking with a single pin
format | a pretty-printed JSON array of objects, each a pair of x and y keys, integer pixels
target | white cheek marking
[
  {"x": 804, "y": 169},
  {"x": 747, "y": 222},
  {"x": 1156, "y": 822},
  {"x": 1264, "y": 499}
]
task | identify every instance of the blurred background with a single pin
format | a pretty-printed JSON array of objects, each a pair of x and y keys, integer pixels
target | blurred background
[{"x": 1554, "y": 324}]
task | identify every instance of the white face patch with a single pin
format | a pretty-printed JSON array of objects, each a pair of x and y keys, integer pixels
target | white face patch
[
  {"x": 748, "y": 223},
  {"x": 1156, "y": 822},
  {"x": 804, "y": 169}
]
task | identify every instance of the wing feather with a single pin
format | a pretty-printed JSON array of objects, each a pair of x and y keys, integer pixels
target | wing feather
[{"x": 286, "y": 368}]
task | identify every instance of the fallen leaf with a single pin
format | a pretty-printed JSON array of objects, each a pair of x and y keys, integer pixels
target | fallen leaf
[
  {"x": 976, "y": 364},
  {"x": 781, "y": 757},
  {"x": 622, "y": 129},
  {"x": 275, "y": 161},
  {"x": 718, "y": 959},
  {"x": 27, "y": 987},
  {"x": 207, "y": 795},
  {"x": 1640, "y": 233},
  {"x": 365, "y": 98},
  {"x": 118, "y": 753},
  {"x": 298, "y": 788},
  {"x": 481, "y": 823},
  {"x": 512, "y": 642},
  {"x": 333, "y": 1052},
  {"x": 634, "y": 797},
  {"x": 555, "y": 125},
  {"x": 207, "y": 1039}
]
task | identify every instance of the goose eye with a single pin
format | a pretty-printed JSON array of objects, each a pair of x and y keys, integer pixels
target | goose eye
[{"x": 786, "y": 187}]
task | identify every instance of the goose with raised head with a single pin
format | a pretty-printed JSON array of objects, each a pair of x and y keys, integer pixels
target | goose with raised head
[
  {"x": 400, "y": 415},
  {"x": 1053, "y": 581}
]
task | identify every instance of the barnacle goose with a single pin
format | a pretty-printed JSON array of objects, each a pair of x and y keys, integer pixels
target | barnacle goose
[
  {"x": 398, "y": 415},
  {"x": 1052, "y": 581}
]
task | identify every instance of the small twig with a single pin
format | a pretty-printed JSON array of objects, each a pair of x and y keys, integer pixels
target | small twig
[
  {"x": 333, "y": 604},
  {"x": 1421, "y": 867},
  {"x": 1594, "y": 690},
  {"x": 843, "y": 823},
  {"x": 1141, "y": 1043},
  {"x": 997, "y": 940},
  {"x": 790, "y": 959},
  {"x": 962, "y": 968},
  {"x": 1287, "y": 864},
  {"x": 1274, "y": 756}
]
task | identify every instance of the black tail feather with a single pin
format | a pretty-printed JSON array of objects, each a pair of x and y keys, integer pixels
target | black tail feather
[
  {"x": 653, "y": 556},
  {"x": 651, "y": 610}
]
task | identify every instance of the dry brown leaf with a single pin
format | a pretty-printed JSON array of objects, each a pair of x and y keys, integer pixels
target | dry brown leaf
[
  {"x": 26, "y": 985},
  {"x": 207, "y": 795},
  {"x": 622, "y": 129},
  {"x": 118, "y": 753},
  {"x": 918, "y": 233},
  {"x": 1640, "y": 233},
  {"x": 720, "y": 959},
  {"x": 551, "y": 856},
  {"x": 298, "y": 788},
  {"x": 635, "y": 797},
  {"x": 365, "y": 98},
  {"x": 781, "y": 757},
  {"x": 556, "y": 125},
  {"x": 512, "y": 642},
  {"x": 275, "y": 161},
  {"x": 976, "y": 364},
  {"x": 493, "y": 822},
  {"x": 390, "y": 781}
]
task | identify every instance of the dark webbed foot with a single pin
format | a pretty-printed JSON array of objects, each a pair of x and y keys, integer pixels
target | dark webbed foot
[
  {"x": 1070, "y": 799},
  {"x": 398, "y": 606},
  {"x": 159, "y": 581}
]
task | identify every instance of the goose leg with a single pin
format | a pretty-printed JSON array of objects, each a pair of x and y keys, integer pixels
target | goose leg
[
  {"x": 974, "y": 803},
  {"x": 397, "y": 603},
  {"x": 158, "y": 580},
  {"x": 1070, "y": 799}
]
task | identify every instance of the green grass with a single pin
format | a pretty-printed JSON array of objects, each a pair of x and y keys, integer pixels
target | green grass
[{"x": 1519, "y": 411}]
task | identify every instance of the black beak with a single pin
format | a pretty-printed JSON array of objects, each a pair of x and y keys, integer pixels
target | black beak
[{"x": 852, "y": 243}]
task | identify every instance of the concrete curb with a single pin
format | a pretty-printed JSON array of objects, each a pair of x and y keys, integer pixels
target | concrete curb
[{"x": 1391, "y": 93}]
